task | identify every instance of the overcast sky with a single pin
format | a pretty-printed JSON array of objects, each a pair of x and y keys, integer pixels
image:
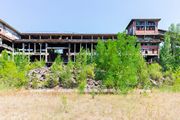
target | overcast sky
[{"x": 85, "y": 16}]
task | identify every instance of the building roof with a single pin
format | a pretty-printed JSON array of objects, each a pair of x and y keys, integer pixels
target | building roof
[
  {"x": 9, "y": 26},
  {"x": 153, "y": 19},
  {"x": 71, "y": 34}
]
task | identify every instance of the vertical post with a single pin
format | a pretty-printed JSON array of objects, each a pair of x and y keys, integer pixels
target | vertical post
[
  {"x": 23, "y": 45},
  {"x": 91, "y": 50},
  {"x": 34, "y": 48},
  {"x": 74, "y": 52},
  {"x": 46, "y": 60},
  {"x": 158, "y": 52},
  {"x": 40, "y": 45},
  {"x": 69, "y": 51},
  {"x": 86, "y": 48},
  {"x": 92, "y": 47},
  {"x": 80, "y": 46},
  {"x": 29, "y": 47},
  {"x": 13, "y": 51}
]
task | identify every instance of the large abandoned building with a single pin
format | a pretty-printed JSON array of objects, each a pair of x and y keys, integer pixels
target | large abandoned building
[{"x": 48, "y": 45}]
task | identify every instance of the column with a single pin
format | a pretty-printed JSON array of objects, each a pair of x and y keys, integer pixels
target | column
[
  {"x": 13, "y": 51},
  {"x": 74, "y": 52},
  {"x": 69, "y": 51},
  {"x": 46, "y": 60},
  {"x": 29, "y": 47},
  {"x": 40, "y": 46},
  {"x": 23, "y": 45},
  {"x": 34, "y": 48},
  {"x": 91, "y": 50},
  {"x": 80, "y": 46},
  {"x": 86, "y": 48}
]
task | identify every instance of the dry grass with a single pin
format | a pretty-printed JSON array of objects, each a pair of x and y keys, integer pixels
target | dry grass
[{"x": 25, "y": 105}]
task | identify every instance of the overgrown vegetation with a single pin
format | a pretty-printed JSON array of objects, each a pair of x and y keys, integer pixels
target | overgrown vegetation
[
  {"x": 118, "y": 64},
  {"x": 13, "y": 72},
  {"x": 170, "y": 58}
]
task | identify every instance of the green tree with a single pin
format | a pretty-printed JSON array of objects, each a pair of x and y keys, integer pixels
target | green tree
[
  {"x": 165, "y": 54},
  {"x": 155, "y": 72},
  {"x": 174, "y": 33},
  {"x": 120, "y": 64}
]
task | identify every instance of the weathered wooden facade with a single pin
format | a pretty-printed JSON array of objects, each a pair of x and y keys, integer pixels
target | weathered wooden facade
[
  {"x": 149, "y": 36},
  {"x": 48, "y": 45}
]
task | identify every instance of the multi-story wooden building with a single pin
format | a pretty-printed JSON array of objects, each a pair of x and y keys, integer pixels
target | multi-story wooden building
[
  {"x": 149, "y": 36},
  {"x": 48, "y": 45}
]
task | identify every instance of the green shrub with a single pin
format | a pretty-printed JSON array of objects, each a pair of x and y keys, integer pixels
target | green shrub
[
  {"x": 169, "y": 77},
  {"x": 66, "y": 78},
  {"x": 109, "y": 82},
  {"x": 90, "y": 70},
  {"x": 176, "y": 85},
  {"x": 50, "y": 82},
  {"x": 120, "y": 65},
  {"x": 11, "y": 75},
  {"x": 155, "y": 72},
  {"x": 81, "y": 87},
  {"x": 34, "y": 84}
]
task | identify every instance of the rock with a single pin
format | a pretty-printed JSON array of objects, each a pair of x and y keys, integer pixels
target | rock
[
  {"x": 38, "y": 75},
  {"x": 91, "y": 84}
]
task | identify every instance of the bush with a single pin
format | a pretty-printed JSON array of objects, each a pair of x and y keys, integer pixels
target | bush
[
  {"x": 176, "y": 85},
  {"x": 51, "y": 82},
  {"x": 81, "y": 87},
  {"x": 11, "y": 74},
  {"x": 155, "y": 72},
  {"x": 169, "y": 77},
  {"x": 120, "y": 64}
]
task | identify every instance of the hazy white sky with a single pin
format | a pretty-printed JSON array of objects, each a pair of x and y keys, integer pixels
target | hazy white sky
[{"x": 85, "y": 16}]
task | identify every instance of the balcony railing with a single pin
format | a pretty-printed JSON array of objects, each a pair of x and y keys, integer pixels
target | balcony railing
[{"x": 149, "y": 47}]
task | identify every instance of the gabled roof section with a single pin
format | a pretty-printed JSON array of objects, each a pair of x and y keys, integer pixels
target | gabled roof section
[
  {"x": 153, "y": 19},
  {"x": 9, "y": 26}
]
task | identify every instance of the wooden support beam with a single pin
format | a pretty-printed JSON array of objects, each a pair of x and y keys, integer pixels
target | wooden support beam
[
  {"x": 92, "y": 38},
  {"x": 86, "y": 48},
  {"x": 23, "y": 46},
  {"x": 91, "y": 51},
  {"x": 46, "y": 59},
  {"x": 74, "y": 52},
  {"x": 80, "y": 46},
  {"x": 29, "y": 47},
  {"x": 13, "y": 51},
  {"x": 69, "y": 51},
  {"x": 34, "y": 47},
  {"x": 40, "y": 46}
]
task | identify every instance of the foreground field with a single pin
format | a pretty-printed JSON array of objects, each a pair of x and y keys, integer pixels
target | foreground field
[{"x": 28, "y": 105}]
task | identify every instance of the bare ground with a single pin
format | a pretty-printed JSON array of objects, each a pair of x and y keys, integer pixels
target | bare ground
[{"x": 26, "y": 105}]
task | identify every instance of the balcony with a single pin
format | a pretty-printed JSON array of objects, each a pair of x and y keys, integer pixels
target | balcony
[
  {"x": 149, "y": 47},
  {"x": 146, "y": 32}
]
